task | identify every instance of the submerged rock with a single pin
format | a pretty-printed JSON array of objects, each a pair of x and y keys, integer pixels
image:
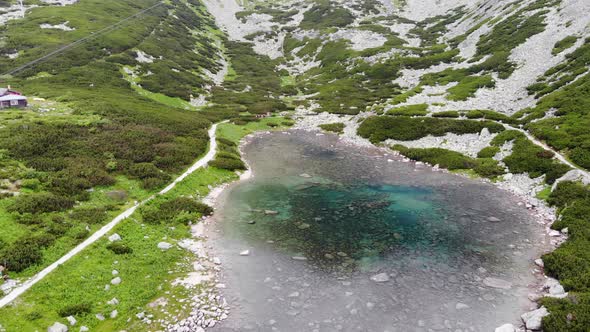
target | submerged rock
[
  {"x": 381, "y": 277},
  {"x": 497, "y": 283}
]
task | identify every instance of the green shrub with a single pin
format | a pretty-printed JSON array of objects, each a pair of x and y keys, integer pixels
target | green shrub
[
  {"x": 488, "y": 168},
  {"x": 144, "y": 170},
  {"x": 325, "y": 14},
  {"x": 119, "y": 248},
  {"x": 25, "y": 252},
  {"x": 566, "y": 192},
  {"x": 444, "y": 158},
  {"x": 380, "y": 128},
  {"x": 410, "y": 110},
  {"x": 337, "y": 127},
  {"x": 564, "y": 44},
  {"x": 40, "y": 203},
  {"x": 469, "y": 85},
  {"x": 581, "y": 156},
  {"x": 79, "y": 309},
  {"x": 230, "y": 164},
  {"x": 168, "y": 210},
  {"x": 32, "y": 184},
  {"x": 571, "y": 314},
  {"x": 446, "y": 114},
  {"x": 488, "y": 152},
  {"x": 91, "y": 215},
  {"x": 528, "y": 157}
]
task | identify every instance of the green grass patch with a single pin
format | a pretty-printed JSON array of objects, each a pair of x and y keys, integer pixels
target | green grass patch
[
  {"x": 410, "y": 110},
  {"x": 564, "y": 44}
]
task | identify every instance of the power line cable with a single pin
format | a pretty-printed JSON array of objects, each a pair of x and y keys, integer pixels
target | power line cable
[{"x": 80, "y": 41}]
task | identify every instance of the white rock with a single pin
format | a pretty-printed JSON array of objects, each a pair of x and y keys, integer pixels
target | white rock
[
  {"x": 114, "y": 314},
  {"x": 116, "y": 281},
  {"x": 245, "y": 253},
  {"x": 216, "y": 261},
  {"x": 57, "y": 327},
  {"x": 532, "y": 319},
  {"x": 506, "y": 328},
  {"x": 557, "y": 290},
  {"x": 497, "y": 283},
  {"x": 539, "y": 262},
  {"x": 84, "y": 329},
  {"x": 381, "y": 277},
  {"x": 99, "y": 317},
  {"x": 115, "y": 237},
  {"x": 164, "y": 245},
  {"x": 71, "y": 320},
  {"x": 115, "y": 272},
  {"x": 114, "y": 301}
]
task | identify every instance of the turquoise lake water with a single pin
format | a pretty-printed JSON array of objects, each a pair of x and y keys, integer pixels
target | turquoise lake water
[{"x": 322, "y": 218}]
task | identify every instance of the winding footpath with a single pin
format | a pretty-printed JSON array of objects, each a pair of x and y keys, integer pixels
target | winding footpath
[
  {"x": 557, "y": 155},
  {"x": 16, "y": 292}
]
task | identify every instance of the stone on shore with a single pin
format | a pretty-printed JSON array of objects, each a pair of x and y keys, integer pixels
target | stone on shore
[
  {"x": 506, "y": 328},
  {"x": 532, "y": 319}
]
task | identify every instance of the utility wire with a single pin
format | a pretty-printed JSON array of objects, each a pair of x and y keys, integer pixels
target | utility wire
[{"x": 80, "y": 41}]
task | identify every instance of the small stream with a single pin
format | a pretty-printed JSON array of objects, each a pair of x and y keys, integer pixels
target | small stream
[{"x": 344, "y": 238}]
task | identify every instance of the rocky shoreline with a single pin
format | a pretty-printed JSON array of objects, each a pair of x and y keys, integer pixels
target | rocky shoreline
[{"x": 515, "y": 184}]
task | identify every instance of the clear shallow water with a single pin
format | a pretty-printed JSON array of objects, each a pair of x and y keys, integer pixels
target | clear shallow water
[{"x": 354, "y": 214}]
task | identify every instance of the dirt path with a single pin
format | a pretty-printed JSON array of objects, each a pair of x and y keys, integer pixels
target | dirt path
[{"x": 16, "y": 292}]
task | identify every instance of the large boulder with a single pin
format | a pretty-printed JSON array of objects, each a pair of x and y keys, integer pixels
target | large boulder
[{"x": 532, "y": 319}]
